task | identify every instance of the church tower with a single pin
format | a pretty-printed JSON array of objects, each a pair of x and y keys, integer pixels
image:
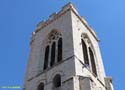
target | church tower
[{"x": 65, "y": 55}]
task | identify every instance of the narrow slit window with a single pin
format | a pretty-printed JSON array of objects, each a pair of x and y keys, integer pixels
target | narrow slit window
[
  {"x": 59, "y": 50},
  {"x": 93, "y": 62},
  {"x": 85, "y": 54},
  {"x": 57, "y": 81},
  {"x": 41, "y": 86},
  {"x": 53, "y": 54},
  {"x": 46, "y": 57}
]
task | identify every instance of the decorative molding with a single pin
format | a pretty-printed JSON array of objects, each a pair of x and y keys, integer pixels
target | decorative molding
[
  {"x": 51, "y": 67},
  {"x": 68, "y": 7}
]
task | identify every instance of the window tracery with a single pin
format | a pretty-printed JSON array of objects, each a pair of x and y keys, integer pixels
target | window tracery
[
  {"x": 53, "y": 36},
  {"x": 54, "y": 40},
  {"x": 88, "y": 54}
]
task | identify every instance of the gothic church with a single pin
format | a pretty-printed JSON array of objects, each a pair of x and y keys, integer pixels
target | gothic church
[{"x": 65, "y": 55}]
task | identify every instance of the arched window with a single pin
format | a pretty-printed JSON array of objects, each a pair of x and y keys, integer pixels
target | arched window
[
  {"x": 92, "y": 62},
  {"x": 46, "y": 57},
  {"x": 59, "y": 50},
  {"x": 85, "y": 54},
  {"x": 57, "y": 81},
  {"x": 53, "y": 54},
  {"x": 41, "y": 86},
  {"x": 54, "y": 40}
]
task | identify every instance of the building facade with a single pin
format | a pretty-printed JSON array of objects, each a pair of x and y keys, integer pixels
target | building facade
[{"x": 65, "y": 55}]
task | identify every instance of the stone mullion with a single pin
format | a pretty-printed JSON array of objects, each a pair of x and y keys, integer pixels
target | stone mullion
[
  {"x": 87, "y": 45},
  {"x": 56, "y": 52},
  {"x": 49, "y": 59}
]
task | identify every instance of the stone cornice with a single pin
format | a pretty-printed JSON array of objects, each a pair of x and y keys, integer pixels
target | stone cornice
[
  {"x": 65, "y": 9},
  {"x": 53, "y": 17},
  {"x": 85, "y": 24}
]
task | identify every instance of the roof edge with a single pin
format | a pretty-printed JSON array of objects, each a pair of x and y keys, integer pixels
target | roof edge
[{"x": 54, "y": 16}]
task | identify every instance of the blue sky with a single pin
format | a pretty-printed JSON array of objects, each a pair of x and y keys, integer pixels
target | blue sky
[{"x": 18, "y": 19}]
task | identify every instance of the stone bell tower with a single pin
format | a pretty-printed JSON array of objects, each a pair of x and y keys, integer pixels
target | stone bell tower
[{"x": 65, "y": 55}]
